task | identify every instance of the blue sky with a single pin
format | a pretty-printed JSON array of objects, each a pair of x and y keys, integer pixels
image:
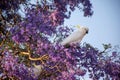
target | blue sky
[{"x": 104, "y": 25}]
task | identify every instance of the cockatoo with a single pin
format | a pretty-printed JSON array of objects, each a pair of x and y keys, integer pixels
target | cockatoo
[{"x": 76, "y": 36}]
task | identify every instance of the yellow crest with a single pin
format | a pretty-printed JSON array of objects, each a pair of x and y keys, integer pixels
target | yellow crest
[{"x": 78, "y": 26}]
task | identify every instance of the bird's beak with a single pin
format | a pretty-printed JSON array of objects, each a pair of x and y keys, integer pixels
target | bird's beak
[{"x": 87, "y": 31}]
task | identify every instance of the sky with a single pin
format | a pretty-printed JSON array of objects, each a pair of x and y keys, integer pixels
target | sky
[{"x": 104, "y": 25}]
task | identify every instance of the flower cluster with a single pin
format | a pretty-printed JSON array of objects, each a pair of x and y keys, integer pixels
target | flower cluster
[{"x": 12, "y": 69}]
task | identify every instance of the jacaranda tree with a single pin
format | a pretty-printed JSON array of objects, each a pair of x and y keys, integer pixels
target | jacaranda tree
[{"x": 30, "y": 46}]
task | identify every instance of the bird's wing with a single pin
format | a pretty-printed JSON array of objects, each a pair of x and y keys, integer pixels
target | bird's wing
[{"x": 75, "y": 36}]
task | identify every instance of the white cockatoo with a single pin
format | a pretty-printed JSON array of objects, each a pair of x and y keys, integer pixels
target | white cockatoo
[{"x": 76, "y": 36}]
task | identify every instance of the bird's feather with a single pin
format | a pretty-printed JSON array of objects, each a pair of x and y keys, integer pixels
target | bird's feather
[{"x": 75, "y": 37}]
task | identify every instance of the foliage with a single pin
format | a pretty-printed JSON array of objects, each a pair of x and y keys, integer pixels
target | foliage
[{"x": 27, "y": 43}]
